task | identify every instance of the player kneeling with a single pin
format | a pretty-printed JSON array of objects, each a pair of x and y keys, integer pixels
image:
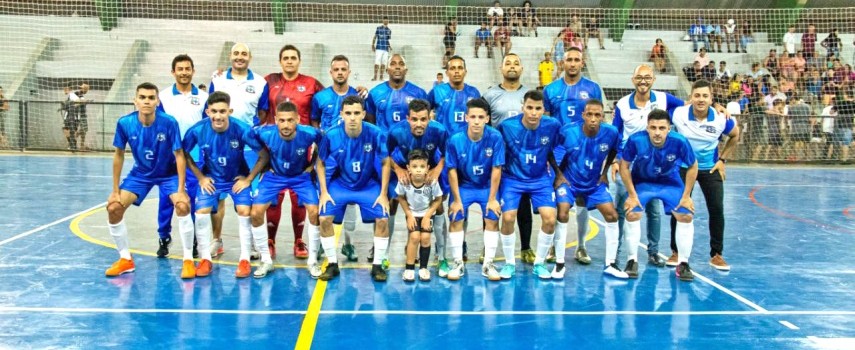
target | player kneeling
[{"x": 420, "y": 201}]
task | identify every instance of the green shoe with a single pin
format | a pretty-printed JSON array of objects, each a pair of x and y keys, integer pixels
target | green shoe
[
  {"x": 349, "y": 251},
  {"x": 442, "y": 269},
  {"x": 385, "y": 264},
  {"x": 527, "y": 256}
]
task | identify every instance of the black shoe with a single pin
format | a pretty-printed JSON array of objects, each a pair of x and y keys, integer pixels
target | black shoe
[
  {"x": 370, "y": 257},
  {"x": 465, "y": 250},
  {"x": 728, "y": 51},
  {"x": 655, "y": 260},
  {"x": 195, "y": 249},
  {"x": 163, "y": 249},
  {"x": 377, "y": 273},
  {"x": 330, "y": 273},
  {"x": 684, "y": 273},
  {"x": 631, "y": 269}
]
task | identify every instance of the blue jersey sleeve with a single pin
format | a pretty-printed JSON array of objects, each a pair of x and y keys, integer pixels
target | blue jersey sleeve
[
  {"x": 629, "y": 151},
  {"x": 191, "y": 139},
  {"x": 176, "y": 135},
  {"x": 618, "y": 121},
  {"x": 382, "y": 151},
  {"x": 324, "y": 147},
  {"x": 432, "y": 96},
  {"x": 120, "y": 139},
  {"x": 672, "y": 102},
  {"x": 688, "y": 155},
  {"x": 316, "y": 108},
  {"x": 253, "y": 139},
  {"x": 498, "y": 152},
  {"x": 451, "y": 157},
  {"x": 728, "y": 126},
  {"x": 263, "y": 103},
  {"x": 211, "y": 87},
  {"x": 371, "y": 107}
]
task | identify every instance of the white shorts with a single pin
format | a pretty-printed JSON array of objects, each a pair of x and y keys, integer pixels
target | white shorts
[{"x": 381, "y": 57}]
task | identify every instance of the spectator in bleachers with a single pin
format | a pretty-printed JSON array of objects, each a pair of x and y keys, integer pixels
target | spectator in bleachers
[
  {"x": 786, "y": 67},
  {"x": 4, "y": 106},
  {"x": 723, "y": 72},
  {"x": 774, "y": 94},
  {"x": 697, "y": 32},
  {"x": 566, "y": 35},
  {"x": 515, "y": 20},
  {"x": 77, "y": 102},
  {"x": 449, "y": 40},
  {"x": 439, "y": 80},
  {"x": 693, "y": 72},
  {"x": 714, "y": 34},
  {"x": 829, "y": 87},
  {"x": 843, "y": 123},
  {"x": 495, "y": 14},
  {"x": 578, "y": 43},
  {"x": 756, "y": 116},
  {"x": 502, "y": 36},
  {"x": 593, "y": 30},
  {"x": 735, "y": 86},
  {"x": 529, "y": 18},
  {"x": 730, "y": 34},
  {"x": 790, "y": 40},
  {"x": 748, "y": 87},
  {"x": 786, "y": 87},
  {"x": 484, "y": 37},
  {"x": 829, "y": 113},
  {"x": 832, "y": 44},
  {"x": 809, "y": 44},
  {"x": 756, "y": 72},
  {"x": 770, "y": 62},
  {"x": 576, "y": 26},
  {"x": 799, "y": 66},
  {"x": 558, "y": 56},
  {"x": 657, "y": 55},
  {"x": 546, "y": 70},
  {"x": 848, "y": 73},
  {"x": 746, "y": 35},
  {"x": 813, "y": 83},
  {"x": 800, "y": 126},
  {"x": 708, "y": 72},
  {"x": 382, "y": 47},
  {"x": 775, "y": 117},
  {"x": 702, "y": 57}
]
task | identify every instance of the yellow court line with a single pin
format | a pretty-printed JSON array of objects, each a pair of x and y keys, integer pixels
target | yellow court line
[{"x": 310, "y": 320}]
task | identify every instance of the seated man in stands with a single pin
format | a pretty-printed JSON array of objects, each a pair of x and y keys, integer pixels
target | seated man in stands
[
  {"x": 503, "y": 39},
  {"x": 693, "y": 72},
  {"x": 484, "y": 37},
  {"x": 708, "y": 72}
]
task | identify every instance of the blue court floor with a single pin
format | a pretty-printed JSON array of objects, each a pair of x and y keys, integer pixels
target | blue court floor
[{"x": 789, "y": 234}]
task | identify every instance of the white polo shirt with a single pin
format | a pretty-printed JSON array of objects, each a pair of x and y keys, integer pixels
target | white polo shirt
[
  {"x": 702, "y": 135},
  {"x": 187, "y": 109},
  {"x": 247, "y": 96}
]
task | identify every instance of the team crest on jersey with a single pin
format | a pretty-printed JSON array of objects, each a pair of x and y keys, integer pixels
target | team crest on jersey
[
  {"x": 250, "y": 89},
  {"x": 562, "y": 191},
  {"x": 161, "y": 136},
  {"x": 234, "y": 143},
  {"x": 367, "y": 147},
  {"x": 301, "y": 88},
  {"x": 408, "y": 99},
  {"x": 488, "y": 151},
  {"x": 671, "y": 157},
  {"x": 709, "y": 128},
  {"x": 301, "y": 151},
  {"x": 583, "y": 95},
  {"x": 604, "y": 147},
  {"x": 194, "y": 101},
  {"x": 544, "y": 140},
  {"x": 430, "y": 147}
]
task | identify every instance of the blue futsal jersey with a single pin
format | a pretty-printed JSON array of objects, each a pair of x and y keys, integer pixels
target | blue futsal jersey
[
  {"x": 288, "y": 158},
  {"x": 326, "y": 106},
  {"x": 567, "y": 102},
  {"x": 401, "y": 141},
  {"x": 354, "y": 158},
  {"x": 583, "y": 161},
  {"x": 152, "y": 146},
  {"x": 527, "y": 151},
  {"x": 450, "y": 105},
  {"x": 657, "y": 165},
  {"x": 390, "y": 106},
  {"x": 474, "y": 160},
  {"x": 221, "y": 152}
]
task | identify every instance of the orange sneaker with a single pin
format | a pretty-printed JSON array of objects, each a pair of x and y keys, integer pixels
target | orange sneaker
[
  {"x": 673, "y": 260},
  {"x": 243, "y": 269},
  {"x": 189, "y": 269},
  {"x": 119, "y": 267},
  {"x": 204, "y": 268},
  {"x": 300, "y": 250}
]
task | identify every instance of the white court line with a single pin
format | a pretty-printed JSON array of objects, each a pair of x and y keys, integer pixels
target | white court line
[
  {"x": 789, "y": 325},
  {"x": 791, "y": 185},
  {"x": 42, "y": 227},
  {"x": 71, "y": 310},
  {"x": 57, "y": 175}
]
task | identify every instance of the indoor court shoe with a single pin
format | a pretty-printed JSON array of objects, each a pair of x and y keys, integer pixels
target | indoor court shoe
[
  {"x": 443, "y": 268},
  {"x": 684, "y": 273},
  {"x": 614, "y": 271},
  {"x": 119, "y": 267},
  {"x": 490, "y": 272},
  {"x": 217, "y": 248},
  {"x": 527, "y": 256},
  {"x": 424, "y": 275},
  {"x": 672, "y": 261},
  {"x": 541, "y": 272},
  {"x": 631, "y": 269},
  {"x": 457, "y": 270},
  {"x": 188, "y": 270},
  {"x": 508, "y": 271},
  {"x": 550, "y": 255},
  {"x": 204, "y": 268},
  {"x": 378, "y": 273},
  {"x": 163, "y": 247},
  {"x": 263, "y": 270},
  {"x": 558, "y": 273},
  {"x": 315, "y": 271},
  {"x": 718, "y": 263},
  {"x": 655, "y": 260},
  {"x": 243, "y": 269},
  {"x": 271, "y": 247},
  {"x": 300, "y": 251},
  {"x": 330, "y": 273},
  {"x": 349, "y": 251},
  {"x": 409, "y": 275},
  {"x": 582, "y": 257}
]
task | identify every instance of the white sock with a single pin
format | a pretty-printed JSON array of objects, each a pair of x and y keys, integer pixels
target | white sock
[
  {"x": 203, "y": 235},
  {"x": 245, "y": 236},
  {"x": 544, "y": 241},
  {"x": 581, "y": 226},
  {"x": 509, "y": 246},
  {"x": 560, "y": 241},
  {"x": 456, "y": 243},
  {"x": 612, "y": 242},
  {"x": 491, "y": 243},
  {"x": 329, "y": 249},
  {"x": 685, "y": 236},
  {"x": 185, "y": 230},
  {"x": 632, "y": 238},
  {"x": 259, "y": 238},
  {"x": 314, "y": 242},
  {"x": 120, "y": 236},
  {"x": 441, "y": 233},
  {"x": 380, "y": 246}
]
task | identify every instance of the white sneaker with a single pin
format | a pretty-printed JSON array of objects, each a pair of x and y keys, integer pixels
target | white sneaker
[
  {"x": 558, "y": 274},
  {"x": 315, "y": 271},
  {"x": 614, "y": 271},
  {"x": 263, "y": 270},
  {"x": 489, "y": 271},
  {"x": 217, "y": 248},
  {"x": 457, "y": 270},
  {"x": 409, "y": 275},
  {"x": 424, "y": 275}
]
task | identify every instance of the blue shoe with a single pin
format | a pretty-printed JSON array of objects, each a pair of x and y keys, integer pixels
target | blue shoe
[
  {"x": 508, "y": 271},
  {"x": 541, "y": 272}
]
